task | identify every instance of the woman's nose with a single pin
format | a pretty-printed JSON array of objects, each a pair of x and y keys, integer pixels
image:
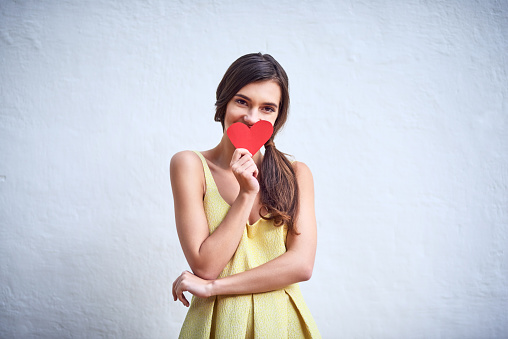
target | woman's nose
[{"x": 251, "y": 117}]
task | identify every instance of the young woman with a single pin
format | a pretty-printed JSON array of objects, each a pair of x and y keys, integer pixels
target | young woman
[{"x": 246, "y": 222}]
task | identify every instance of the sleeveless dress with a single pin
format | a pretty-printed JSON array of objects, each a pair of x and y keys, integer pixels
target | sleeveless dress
[{"x": 276, "y": 314}]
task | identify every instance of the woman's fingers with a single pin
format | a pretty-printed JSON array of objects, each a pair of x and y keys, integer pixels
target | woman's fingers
[
  {"x": 239, "y": 152},
  {"x": 245, "y": 170},
  {"x": 182, "y": 298},
  {"x": 175, "y": 287},
  {"x": 173, "y": 290},
  {"x": 256, "y": 172},
  {"x": 245, "y": 163},
  {"x": 179, "y": 288},
  {"x": 247, "y": 167},
  {"x": 239, "y": 167},
  {"x": 188, "y": 282}
]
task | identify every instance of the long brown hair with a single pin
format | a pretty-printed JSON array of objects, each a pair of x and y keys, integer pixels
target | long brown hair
[{"x": 277, "y": 178}]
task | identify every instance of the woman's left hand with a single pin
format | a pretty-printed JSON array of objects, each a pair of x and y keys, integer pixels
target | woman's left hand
[{"x": 189, "y": 282}]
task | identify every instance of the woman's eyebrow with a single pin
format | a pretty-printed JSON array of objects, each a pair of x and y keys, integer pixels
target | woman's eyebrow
[
  {"x": 270, "y": 104},
  {"x": 249, "y": 100},
  {"x": 243, "y": 96}
]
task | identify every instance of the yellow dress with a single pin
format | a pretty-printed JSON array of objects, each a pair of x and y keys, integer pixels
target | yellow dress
[{"x": 276, "y": 314}]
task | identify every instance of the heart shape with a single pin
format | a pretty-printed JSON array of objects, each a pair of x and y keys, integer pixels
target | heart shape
[{"x": 250, "y": 138}]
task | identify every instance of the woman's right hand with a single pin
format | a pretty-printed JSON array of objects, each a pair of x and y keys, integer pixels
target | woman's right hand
[{"x": 245, "y": 170}]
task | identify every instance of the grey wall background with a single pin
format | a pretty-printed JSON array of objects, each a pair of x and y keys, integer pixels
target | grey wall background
[{"x": 399, "y": 108}]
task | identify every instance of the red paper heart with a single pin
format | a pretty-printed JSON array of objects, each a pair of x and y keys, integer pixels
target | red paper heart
[{"x": 250, "y": 138}]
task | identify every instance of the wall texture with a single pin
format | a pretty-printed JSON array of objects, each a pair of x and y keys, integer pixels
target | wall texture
[{"x": 400, "y": 108}]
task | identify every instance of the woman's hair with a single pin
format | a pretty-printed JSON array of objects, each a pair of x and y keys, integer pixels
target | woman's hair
[{"x": 277, "y": 178}]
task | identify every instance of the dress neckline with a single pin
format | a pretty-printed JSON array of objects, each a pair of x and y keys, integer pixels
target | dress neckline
[{"x": 205, "y": 162}]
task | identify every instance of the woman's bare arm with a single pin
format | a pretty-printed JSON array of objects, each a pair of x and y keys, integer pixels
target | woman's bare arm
[
  {"x": 208, "y": 254},
  {"x": 293, "y": 266}
]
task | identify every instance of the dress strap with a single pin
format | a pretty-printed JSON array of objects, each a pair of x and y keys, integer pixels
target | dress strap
[{"x": 210, "y": 183}]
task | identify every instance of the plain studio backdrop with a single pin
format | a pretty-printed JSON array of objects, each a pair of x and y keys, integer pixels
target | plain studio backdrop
[{"x": 400, "y": 109}]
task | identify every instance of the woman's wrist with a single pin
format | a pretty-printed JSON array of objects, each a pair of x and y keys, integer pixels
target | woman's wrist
[
  {"x": 214, "y": 287},
  {"x": 247, "y": 197}
]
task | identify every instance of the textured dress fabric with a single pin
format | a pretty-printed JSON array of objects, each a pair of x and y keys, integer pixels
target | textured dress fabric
[{"x": 276, "y": 314}]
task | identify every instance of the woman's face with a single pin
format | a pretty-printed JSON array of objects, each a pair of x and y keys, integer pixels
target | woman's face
[{"x": 256, "y": 101}]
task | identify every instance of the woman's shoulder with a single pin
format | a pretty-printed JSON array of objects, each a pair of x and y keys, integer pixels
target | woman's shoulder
[
  {"x": 301, "y": 167},
  {"x": 302, "y": 171},
  {"x": 185, "y": 161}
]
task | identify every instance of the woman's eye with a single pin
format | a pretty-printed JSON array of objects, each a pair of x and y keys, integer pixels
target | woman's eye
[
  {"x": 269, "y": 109},
  {"x": 241, "y": 102}
]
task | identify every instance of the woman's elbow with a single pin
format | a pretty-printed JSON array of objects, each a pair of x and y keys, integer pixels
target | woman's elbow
[
  {"x": 205, "y": 273},
  {"x": 303, "y": 265},
  {"x": 306, "y": 273}
]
